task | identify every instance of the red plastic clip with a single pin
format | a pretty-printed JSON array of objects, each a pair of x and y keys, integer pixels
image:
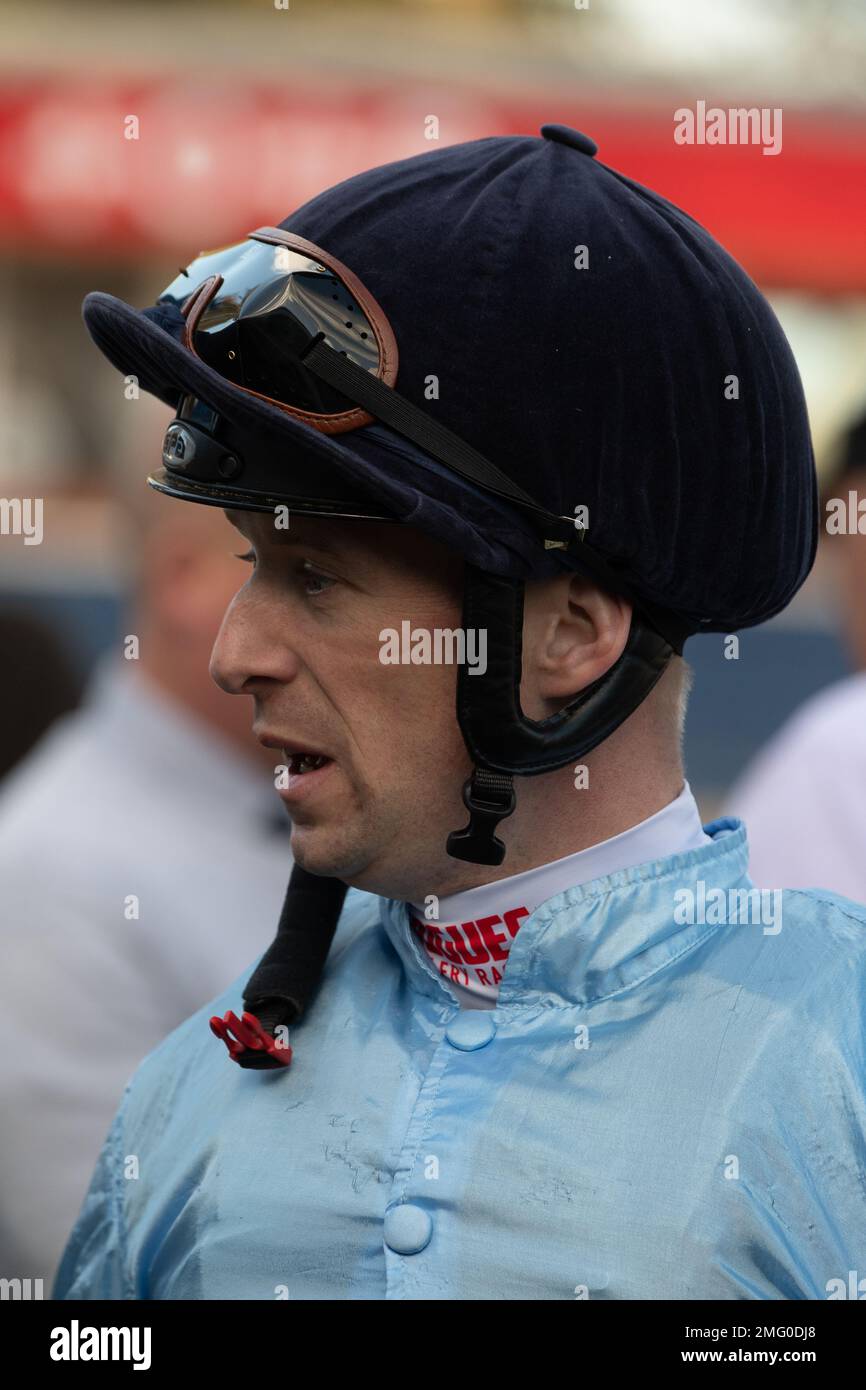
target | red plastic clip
[{"x": 248, "y": 1034}]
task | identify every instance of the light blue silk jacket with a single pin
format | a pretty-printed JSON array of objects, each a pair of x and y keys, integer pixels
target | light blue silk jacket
[{"x": 663, "y": 1105}]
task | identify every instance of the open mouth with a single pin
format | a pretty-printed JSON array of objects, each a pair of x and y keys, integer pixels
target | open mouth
[{"x": 299, "y": 763}]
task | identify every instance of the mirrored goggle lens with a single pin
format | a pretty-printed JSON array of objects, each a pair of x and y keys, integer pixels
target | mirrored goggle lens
[{"x": 270, "y": 302}]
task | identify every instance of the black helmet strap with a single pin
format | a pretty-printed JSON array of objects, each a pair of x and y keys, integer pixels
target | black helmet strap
[{"x": 501, "y": 739}]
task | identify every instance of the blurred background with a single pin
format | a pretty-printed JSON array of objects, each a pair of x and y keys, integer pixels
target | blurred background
[{"x": 245, "y": 110}]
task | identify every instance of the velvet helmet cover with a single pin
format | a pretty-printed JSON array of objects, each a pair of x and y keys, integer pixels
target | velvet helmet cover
[{"x": 643, "y": 377}]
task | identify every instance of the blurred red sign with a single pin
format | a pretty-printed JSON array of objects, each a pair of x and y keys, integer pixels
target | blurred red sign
[{"x": 88, "y": 168}]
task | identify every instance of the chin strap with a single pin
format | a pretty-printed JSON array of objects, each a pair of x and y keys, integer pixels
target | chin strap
[
  {"x": 489, "y": 797},
  {"x": 502, "y": 741}
]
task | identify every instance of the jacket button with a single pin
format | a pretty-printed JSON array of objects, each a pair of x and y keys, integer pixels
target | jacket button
[
  {"x": 470, "y": 1029},
  {"x": 407, "y": 1228}
]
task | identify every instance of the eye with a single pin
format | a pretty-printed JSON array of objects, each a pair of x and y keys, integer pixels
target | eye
[{"x": 314, "y": 582}]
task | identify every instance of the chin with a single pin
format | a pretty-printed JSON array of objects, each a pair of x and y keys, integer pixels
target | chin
[
  {"x": 357, "y": 866},
  {"x": 318, "y": 850}
]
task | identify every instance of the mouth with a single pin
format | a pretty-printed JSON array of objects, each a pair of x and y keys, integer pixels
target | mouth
[
  {"x": 307, "y": 770},
  {"x": 303, "y": 763}
]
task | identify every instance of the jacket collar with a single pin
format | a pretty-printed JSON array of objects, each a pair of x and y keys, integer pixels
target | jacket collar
[{"x": 599, "y": 937}]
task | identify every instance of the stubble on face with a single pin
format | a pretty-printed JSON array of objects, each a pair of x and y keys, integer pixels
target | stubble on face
[{"x": 380, "y": 820}]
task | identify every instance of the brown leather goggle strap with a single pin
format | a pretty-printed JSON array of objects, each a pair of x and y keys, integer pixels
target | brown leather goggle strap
[{"x": 340, "y": 421}]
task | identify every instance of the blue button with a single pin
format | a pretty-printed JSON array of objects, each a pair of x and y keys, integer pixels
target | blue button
[
  {"x": 564, "y": 135},
  {"x": 407, "y": 1228},
  {"x": 470, "y": 1029}
]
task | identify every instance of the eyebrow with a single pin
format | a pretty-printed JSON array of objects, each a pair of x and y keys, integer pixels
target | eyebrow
[{"x": 286, "y": 537}]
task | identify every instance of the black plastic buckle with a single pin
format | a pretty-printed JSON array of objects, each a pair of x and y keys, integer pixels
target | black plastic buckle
[{"x": 489, "y": 798}]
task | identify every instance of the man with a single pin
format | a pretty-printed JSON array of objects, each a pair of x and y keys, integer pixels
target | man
[
  {"x": 597, "y": 416},
  {"x": 29, "y": 706},
  {"x": 803, "y": 797},
  {"x": 139, "y": 871}
]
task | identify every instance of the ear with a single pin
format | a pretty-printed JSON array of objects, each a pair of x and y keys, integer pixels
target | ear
[{"x": 573, "y": 633}]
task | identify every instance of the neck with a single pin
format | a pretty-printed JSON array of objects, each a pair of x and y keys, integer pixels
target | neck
[
  {"x": 558, "y": 817},
  {"x": 628, "y": 780}
]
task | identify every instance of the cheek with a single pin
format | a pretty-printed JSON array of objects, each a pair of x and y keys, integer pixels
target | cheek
[
  {"x": 402, "y": 715},
  {"x": 424, "y": 704}
]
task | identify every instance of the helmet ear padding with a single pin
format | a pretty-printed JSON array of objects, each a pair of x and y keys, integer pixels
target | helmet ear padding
[
  {"x": 498, "y": 735},
  {"x": 502, "y": 741}
]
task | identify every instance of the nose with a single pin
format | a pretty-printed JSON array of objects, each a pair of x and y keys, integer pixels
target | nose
[{"x": 251, "y": 646}]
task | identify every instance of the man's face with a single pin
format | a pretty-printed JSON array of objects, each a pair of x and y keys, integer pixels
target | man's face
[{"x": 303, "y": 638}]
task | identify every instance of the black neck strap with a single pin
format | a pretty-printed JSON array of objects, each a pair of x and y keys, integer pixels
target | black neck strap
[{"x": 286, "y": 977}]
